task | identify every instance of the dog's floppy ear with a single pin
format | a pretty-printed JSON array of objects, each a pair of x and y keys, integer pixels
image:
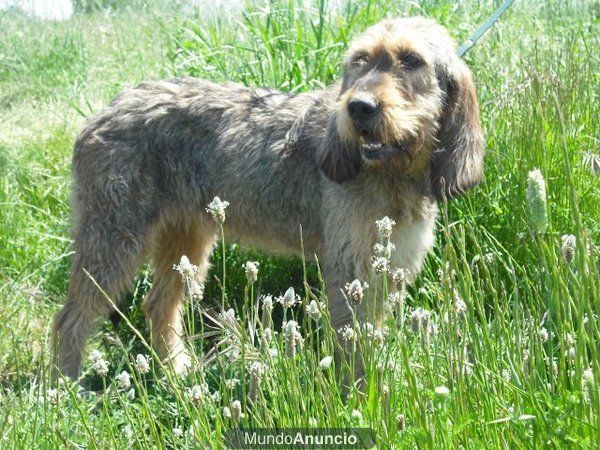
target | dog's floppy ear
[
  {"x": 457, "y": 164},
  {"x": 340, "y": 161}
]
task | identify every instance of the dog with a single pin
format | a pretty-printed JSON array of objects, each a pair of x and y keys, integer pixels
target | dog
[{"x": 397, "y": 134}]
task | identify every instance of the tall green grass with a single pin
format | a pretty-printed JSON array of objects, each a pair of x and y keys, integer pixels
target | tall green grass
[{"x": 512, "y": 330}]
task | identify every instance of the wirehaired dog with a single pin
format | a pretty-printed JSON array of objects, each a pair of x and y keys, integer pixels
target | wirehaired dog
[{"x": 399, "y": 133}]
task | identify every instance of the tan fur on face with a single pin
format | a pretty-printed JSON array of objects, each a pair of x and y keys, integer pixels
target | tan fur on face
[{"x": 411, "y": 100}]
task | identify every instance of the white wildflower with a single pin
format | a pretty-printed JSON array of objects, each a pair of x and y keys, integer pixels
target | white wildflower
[
  {"x": 420, "y": 320},
  {"x": 401, "y": 422},
  {"x": 216, "y": 209},
  {"x": 385, "y": 226},
  {"x": 226, "y": 412},
  {"x": 442, "y": 391},
  {"x": 347, "y": 333},
  {"x": 356, "y": 415},
  {"x": 544, "y": 335},
  {"x": 536, "y": 197},
  {"x": 99, "y": 364},
  {"x": 291, "y": 334},
  {"x": 459, "y": 305},
  {"x": 195, "y": 290},
  {"x": 379, "y": 336},
  {"x": 186, "y": 269},
  {"x": 400, "y": 276},
  {"x": 267, "y": 302},
  {"x": 131, "y": 394},
  {"x": 356, "y": 290},
  {"x": 569, "y": 243},
  {"x": 197, "y": 392},
  {"x": 251, "y": 268},
  {"x": 313, "y": 309},
  {"x": 177, "y": 432},
  {"x": 312, "y": 422},
  {"x": 53, "y": 396},
  {"x": 325, "y": 363},
  {"x": 380, "y": 264},
  {"x": 289, "y": 299},
  {"x": 257, "y": 369},
  {"x": 123, "y": 380},
  {"x": 506, "y": 374},
  {"x": 231, "y": 383},
  {"x": 127, "y": 431},
  {"x": 142, "y": 363},
  {"x": 236, "y": 411},
  {"x": 384, "y": 251}
]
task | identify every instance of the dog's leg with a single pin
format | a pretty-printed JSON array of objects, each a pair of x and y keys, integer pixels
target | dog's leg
[
  {"x": 163, "y": 304},
  {"x": 111, "y": 258}
]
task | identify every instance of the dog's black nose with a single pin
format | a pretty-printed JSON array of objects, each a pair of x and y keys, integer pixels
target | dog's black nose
[{"x": 362, "y": 108}]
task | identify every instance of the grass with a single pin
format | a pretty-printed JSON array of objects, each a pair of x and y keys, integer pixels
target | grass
[{"x": 510, "y": 385}]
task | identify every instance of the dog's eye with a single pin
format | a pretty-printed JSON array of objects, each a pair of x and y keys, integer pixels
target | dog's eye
[
  {"x": 360, "y": 59},
  {"x": 410, "y": 60}
]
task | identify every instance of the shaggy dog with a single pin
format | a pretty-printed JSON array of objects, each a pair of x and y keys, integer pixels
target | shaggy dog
[{"x": 399, "y": 133}]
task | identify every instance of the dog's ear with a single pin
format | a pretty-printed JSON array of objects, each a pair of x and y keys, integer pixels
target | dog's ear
[
  {"x": 457, "y": 164},
  {"x": 340, "y": 161}
]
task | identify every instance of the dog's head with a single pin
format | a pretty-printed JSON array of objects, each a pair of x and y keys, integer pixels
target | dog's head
[{"x": 408, "y": 103}]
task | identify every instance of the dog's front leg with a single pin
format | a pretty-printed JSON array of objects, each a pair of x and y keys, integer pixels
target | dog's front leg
[{"x": 337, "y": 274}]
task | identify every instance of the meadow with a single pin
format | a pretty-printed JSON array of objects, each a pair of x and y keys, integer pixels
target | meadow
[{"x": 496, "y": 345}]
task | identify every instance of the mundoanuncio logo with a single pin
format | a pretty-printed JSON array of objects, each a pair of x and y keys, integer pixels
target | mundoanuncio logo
[{"x": 300, "y": 438}]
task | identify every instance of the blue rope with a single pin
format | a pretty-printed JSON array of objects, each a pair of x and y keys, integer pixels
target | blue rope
[{"x": 483, "y": 29}]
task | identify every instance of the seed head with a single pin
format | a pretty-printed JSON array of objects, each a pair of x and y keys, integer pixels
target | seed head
[
  {"x": 380, "y": 264},
  {"x": 186, "y": 269},
  {"x": 236, "y": 411},
  {"x": 195, "y": 290},
  {"x": 142, "y": 363},
  {"x": 292, "y": 336},
  {"x": 123, "y": 380},
  {"x": 127, "y": 431},
  {"x": 313, "y": 309},
  {"x": 356, "y": 290},
  {"x": 569, "y": 243},
  {"x": 251, "y": 268},
  {"x": 197, "y": 392},
  {"x": 289, "y": 299},
  {"x": 53, "y": 396},
  {"x": 216, "y": 209},
  {"x": 442, "y": 391},
  {"x": 385, "y": 227},
  {"x": 401, "y": 422},
  {"x": 347, "y": 333},
  {"x": 356, "y": 415},
  {"x": 99, "y": 364},
  {"x": 384, "y": 251},
  {"x": 420, "y": 320},
  {"x": 536, "y": 197},
  {"x": 400, "y": 276},
  {"x": 325, "y": 363}
]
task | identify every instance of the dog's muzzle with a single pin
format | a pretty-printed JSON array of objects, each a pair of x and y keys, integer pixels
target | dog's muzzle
[{"x": 365, "y": 110}]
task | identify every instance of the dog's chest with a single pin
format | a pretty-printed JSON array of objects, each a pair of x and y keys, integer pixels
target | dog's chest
[{"x": 413, "y": 235}]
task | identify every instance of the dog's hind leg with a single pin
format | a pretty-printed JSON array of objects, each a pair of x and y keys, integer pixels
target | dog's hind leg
[
  {"x": 164, "y": 303},
  {"x": 111, "y": 255}
]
